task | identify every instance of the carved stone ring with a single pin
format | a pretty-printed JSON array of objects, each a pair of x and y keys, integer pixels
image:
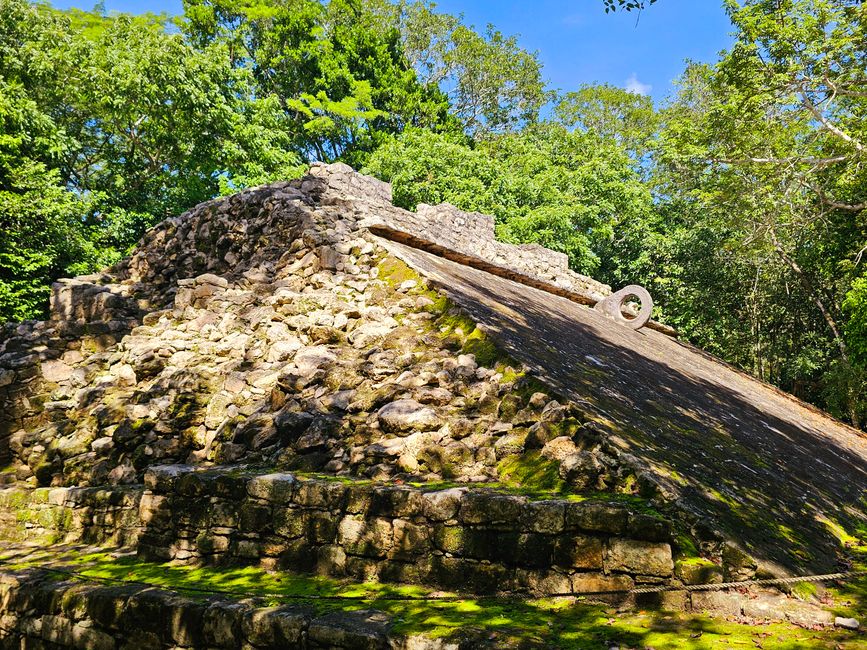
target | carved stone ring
[{"x": 612, "y": 306}]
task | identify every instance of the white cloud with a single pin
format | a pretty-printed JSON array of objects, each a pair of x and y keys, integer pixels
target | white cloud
[{"x": 633, "y": 85}]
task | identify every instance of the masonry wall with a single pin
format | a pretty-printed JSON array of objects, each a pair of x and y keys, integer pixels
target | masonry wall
[{"x": 478, "y": 541}]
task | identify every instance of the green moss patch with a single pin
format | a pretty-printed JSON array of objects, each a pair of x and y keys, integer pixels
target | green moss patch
[
  {"x": 532, "y": 472},
  {"x": 562, "y": 622}
]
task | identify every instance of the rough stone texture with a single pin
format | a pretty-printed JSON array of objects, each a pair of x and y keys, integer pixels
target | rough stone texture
[
  {"x": 717, "y": 441},
  {"x": 273, "y": 328},
  {"x": 264, "y": 328},
  {"x": 476, "y": 541},
  {"x": 96, "y": 617},
  {"x": 468, "y": 237}
]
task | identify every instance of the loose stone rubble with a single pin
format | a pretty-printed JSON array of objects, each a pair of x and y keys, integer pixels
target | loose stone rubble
[{"x": 271, "y": 327}]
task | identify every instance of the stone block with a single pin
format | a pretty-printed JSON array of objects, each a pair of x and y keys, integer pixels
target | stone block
[
  {"x": 698, "y": 572},
  {"x": 486, "y": 508},
  {"x": 410, "y": 540},
  {"x": 542, "y": 583},
  {"x": 598, "y": 583},
  {"x": 360, "y": 630},
  {"x": 320, "y": 494},
  {"x": 716, "y": 602},
  {"x": 579, "y": 552},
  {"x": 597, "y": 517},
  {"x": 320, "y": 527},
  {"x": 449, "y": 539},
  {"x": 162, "y": 478},
  {"x": 545, "y": 517},
  {"x": 221, "y": 624},
  {"x": 358, "y": 497},
  {"x": 389, "y": 501},
  {"x": 276, "y": 626},
  {"x": 276, "y": 488},
  {"x": 365, "y": 537},
  {"x": 289, "y": 522},
  {"x": 443, "y": 504},
  {"x": 633, "y": 556},
  {"x": 470, "y": 575}
]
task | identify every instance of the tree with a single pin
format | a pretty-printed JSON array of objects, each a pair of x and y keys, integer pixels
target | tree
[
  {"x": 108, "y": 125},
  {"x": 762, "y": 158},
  {"x": 628, "y": 119},
  {"x": 569, "y": 191},
  {"x": 339, "y": 75},
  {"x": 493, "y": 85}
]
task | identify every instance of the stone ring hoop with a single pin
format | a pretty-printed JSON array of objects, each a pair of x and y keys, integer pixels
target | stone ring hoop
[{"x": 612, "y": 306}]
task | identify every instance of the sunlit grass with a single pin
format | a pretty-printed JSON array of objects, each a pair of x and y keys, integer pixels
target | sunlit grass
[{"x": 558, "y": 622}]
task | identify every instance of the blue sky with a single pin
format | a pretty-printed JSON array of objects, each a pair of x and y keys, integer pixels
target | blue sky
[{"x": 576, "y": 40}]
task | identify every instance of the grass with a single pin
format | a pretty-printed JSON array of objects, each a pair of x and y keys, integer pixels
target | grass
[{"x": 562, "y": 622}]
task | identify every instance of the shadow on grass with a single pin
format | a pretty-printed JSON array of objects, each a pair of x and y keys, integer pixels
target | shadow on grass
[{"x": 500, "y": 622}]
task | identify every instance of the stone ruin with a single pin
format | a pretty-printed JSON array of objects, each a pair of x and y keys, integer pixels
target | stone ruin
[{"x": 306, "y": 377}]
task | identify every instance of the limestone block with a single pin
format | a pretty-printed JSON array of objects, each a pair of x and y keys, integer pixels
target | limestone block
[
  {"x": 597, "y": 517},
  {"x": 221, "y": 624},
  {"x": 545, "y": 517},
  {"x": 579, "y": 552},
  {"x": 56, "y": 371},
  {"x": 364, "y": 630},
  {"x": 405, "y": 415},
  {"x": 320, "y": 494},
  {"x": 162, "y": 478},
  {"x": 486, "y": 508},
  {"x": 597, "y": 583},
  {"x": 276, "y": 488},
  {"x": 543, "y": 583},
  {"x": 390, "y": 501},
  {"x": 645, "y": 558},
  {"x": 275, "y": 626},
  {"x": 365, "y": 537},
  {"x": 410, "y": 540}
]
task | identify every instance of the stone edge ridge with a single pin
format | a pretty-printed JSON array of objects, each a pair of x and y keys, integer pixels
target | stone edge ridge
[{"x": 467, "y": 238}]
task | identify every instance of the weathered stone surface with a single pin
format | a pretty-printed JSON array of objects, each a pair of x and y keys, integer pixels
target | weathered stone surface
[
  {"x": 406, "y": 415},
  {"x": 597, "y": 517},
  {"x": 276, "y": 488},
  {"x": 644, "y": 558}
]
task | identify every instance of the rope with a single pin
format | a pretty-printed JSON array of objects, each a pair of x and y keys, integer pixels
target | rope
[{"x": 508, "y": 595}]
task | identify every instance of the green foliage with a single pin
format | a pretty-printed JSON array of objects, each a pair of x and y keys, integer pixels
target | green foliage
[
  {"x": 493, "y": 85},
  {"x": 611, "y": 113},
  {"x": 627, "y": 5},
  {"x": 570, "y": 191},
  {"x": 557, "y": 622}
]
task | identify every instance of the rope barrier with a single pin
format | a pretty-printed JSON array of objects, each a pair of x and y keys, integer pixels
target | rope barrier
[{"x": 508, "y": 595}]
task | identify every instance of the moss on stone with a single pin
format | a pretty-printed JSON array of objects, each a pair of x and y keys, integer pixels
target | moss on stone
[
  {"x": 567, "y": 623},
  {"x": 531, "y": 471}
]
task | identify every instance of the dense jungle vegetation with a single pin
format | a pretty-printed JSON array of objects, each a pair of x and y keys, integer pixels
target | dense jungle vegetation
[{"x": 741, "y": 202}]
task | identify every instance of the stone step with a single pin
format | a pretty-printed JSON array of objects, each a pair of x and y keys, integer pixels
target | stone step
[{"x": 37, "y": 608}]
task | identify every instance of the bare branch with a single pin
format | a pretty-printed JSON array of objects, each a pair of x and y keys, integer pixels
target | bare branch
[
  {"x": 859, "y": 147},
  {"x": 806, "y": 160},
  {"x": 851, "y": 207}
]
